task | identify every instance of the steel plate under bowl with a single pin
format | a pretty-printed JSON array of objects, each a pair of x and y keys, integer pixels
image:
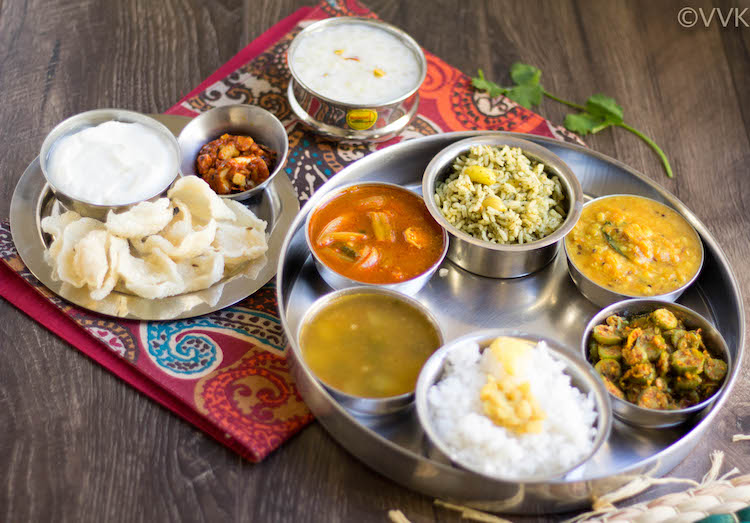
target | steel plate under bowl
[
  {"x": 546, "y": 303},
  {"x": 32, "y": 200}
]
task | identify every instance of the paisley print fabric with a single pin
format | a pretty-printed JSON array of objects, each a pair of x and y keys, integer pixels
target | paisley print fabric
[
  {"x": 253, "y": 400},
  {"x": 229, "y": 368}
]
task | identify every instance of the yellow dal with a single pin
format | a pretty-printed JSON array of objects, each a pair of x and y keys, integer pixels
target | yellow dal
[
  {"x": 506, "y": 396},
  {"x": 663, "y": 252},
  {"x": 368, "y": 345}
]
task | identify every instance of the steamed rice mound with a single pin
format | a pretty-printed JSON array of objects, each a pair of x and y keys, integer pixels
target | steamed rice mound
[
  {"x": 532, "y": 201},
  {"x": 457, "y": 415}
]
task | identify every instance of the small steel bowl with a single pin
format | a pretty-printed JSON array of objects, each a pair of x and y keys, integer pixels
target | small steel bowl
[
  {"x": 583, "y": 377},
  {"x": 93, "y": 118},
  {"x": 363, "y": 405},
  {"x": 238, "y": 119},
  {"x": 339, "y": 281},
  {"x": 502, "y": 260},
  {"x": 653, "y": 418},
  {"x": 349, "y": 121},
  {"x": 603, "y": 296}
]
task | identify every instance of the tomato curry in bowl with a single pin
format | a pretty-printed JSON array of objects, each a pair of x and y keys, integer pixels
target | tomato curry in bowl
[{"x": 375, "y": 234}]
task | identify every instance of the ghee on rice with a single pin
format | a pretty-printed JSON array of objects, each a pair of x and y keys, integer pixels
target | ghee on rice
[
  {"x": 356, "y": 63},
  {"x": 456, "y": 413}
]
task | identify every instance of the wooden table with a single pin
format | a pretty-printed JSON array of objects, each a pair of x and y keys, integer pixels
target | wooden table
[{"x": 77, "y": 444}]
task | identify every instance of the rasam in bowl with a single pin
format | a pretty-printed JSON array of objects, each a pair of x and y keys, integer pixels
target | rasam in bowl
[{"x": 367, "y": 346}]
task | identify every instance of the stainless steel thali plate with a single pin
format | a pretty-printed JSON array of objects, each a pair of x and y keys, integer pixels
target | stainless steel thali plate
[
  {"x": 32, "y": 200},
  {"x": 546, "y": 303}
]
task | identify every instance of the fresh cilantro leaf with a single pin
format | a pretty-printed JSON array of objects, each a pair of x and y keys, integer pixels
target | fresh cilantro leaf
[
  {"x": 600, "y": 110},
  {"x": 526, "y": 95},
  {"x": 527, "y": 91},
  {"x": 582, "y": 123},
  {"x": 523, "y": 74},
  {"x": 604, "y": 107},
  {"x": 482, "y": 84}
]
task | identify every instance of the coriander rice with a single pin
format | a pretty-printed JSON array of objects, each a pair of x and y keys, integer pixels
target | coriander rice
[{"x": 531, "y": 200}]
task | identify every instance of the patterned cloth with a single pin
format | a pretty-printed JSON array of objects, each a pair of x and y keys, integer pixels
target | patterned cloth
[{"x": 226, "y": 372}]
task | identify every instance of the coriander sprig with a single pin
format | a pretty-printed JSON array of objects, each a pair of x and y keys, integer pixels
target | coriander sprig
[{"x": 599, "y": 113}]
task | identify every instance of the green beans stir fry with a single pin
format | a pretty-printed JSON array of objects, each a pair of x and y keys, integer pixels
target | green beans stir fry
[{"x": 652, "y": 360}]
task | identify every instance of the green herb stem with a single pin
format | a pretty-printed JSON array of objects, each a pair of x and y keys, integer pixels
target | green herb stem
[
  {"x": 599, "y": 113},
  {"x": 565, "y": 102},
  {"x": 651, "y": 144},
  {"x": 600, "y": 127}
]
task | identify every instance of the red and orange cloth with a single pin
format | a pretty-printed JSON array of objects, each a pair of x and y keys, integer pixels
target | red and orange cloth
[{"x": 226, "y": 372}]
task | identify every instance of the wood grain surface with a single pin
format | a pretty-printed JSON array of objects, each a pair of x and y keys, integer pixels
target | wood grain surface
[{"x": 77, "y": 444}]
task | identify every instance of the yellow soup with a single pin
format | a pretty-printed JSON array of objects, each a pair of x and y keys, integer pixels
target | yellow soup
[
  {"x": 634, "y": 246},
  {"x": 368, "y": 345}
]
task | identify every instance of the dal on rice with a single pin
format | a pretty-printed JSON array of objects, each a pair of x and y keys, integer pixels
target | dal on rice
[{"x": 556, "y": 438}]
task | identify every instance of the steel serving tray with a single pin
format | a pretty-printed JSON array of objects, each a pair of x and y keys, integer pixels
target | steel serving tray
[
  {"x": 546, "y": 303},
  {"x": 32, "y": 200}
]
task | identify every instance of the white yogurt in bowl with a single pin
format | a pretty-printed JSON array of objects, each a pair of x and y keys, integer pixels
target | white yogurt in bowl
[
  {"x": 112, "y": 163},
  {"x": 356, "y": 63}
]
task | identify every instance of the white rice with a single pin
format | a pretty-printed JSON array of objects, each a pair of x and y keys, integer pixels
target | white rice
[{"x": 474, "y": 440}]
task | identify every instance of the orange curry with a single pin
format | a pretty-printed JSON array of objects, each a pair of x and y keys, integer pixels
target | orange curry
[{"x": 376, "y": 234}]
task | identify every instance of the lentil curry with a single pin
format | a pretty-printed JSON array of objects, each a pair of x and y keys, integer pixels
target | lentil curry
[{"x": 634, "y": 246}]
